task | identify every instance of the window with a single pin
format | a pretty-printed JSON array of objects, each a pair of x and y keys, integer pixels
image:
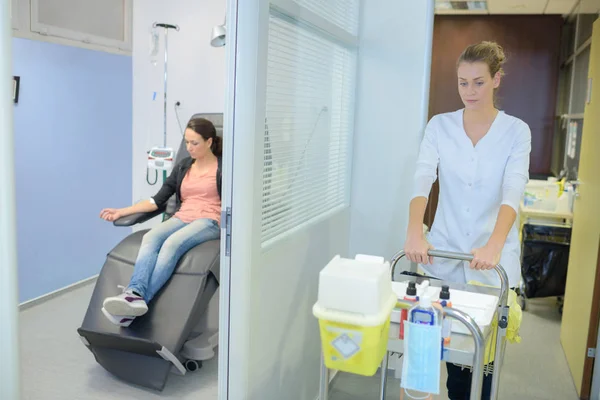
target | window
[
  {"x": 584, "y": 31},
  {"x": 564, "y": 84},
  {"x": 308, "y": 126},
  {"x": 580, "y": 81},
  {"x": 572, "y": 86},
  {"x": 568, "y": 38},
  {"x": 587, "y": 11},
  {"x": 104, "y": 23}
]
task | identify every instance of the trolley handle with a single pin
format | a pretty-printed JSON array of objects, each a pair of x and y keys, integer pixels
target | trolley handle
[{"x": 463, "y": 257}]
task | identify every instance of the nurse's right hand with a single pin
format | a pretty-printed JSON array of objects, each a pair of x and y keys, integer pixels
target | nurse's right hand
[{"x": 416, "y": 249}]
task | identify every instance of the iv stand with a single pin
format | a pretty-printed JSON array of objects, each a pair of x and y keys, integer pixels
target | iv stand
[{"x": 166, "y": 27}]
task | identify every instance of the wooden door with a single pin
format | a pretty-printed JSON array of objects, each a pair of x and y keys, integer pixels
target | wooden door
[{"x": 582, "y": 297}]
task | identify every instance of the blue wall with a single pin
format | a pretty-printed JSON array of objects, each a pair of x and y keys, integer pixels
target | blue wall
[{"x": 73, "y": 151}]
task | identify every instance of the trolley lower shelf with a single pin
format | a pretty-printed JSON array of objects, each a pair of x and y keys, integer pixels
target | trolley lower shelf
[{"x": 462, "y": 347}]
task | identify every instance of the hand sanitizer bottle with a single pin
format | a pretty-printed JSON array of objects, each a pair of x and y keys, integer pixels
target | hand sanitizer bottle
[
  {"x": 447, "y": 322},
  {"x": 424, "y": 313},
  {"x": 411, "y": 295}
]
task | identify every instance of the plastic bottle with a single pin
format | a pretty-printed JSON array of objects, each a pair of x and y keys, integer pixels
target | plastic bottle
[
  {"x": 570, "y": 196},
  {"x": 447, "y": 322},
  {"x": 562, "y": 206},
  {"x": 411, "y": 295},
  {"x": 424, "y": 312},
  {"x": 154, "y": 45},
  {"x": 423, "y": 286}
]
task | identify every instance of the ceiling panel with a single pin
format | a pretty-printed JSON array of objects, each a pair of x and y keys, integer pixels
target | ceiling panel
[
  {"x": 466, "y": 7},
  {"x": 560, "y": 6},
  {"x": 517, "y": 6},
  {"x": 461, "y": 12}
]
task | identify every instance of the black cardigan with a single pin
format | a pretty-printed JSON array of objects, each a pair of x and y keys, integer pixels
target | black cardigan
[{"x": 173, "y": 183}]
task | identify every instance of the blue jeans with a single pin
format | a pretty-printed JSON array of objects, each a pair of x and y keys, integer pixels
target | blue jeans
[{"x": 161, "y": 249}]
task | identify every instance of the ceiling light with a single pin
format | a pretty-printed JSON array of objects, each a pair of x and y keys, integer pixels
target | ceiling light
[
  {"x": 461, "y": 5},
  {"x": 444, "y": 5}
]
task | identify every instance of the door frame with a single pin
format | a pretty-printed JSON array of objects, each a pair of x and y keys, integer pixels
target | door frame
[
  {"x": 590, "y": 373},
  {"x": 583, "y": 378},
  {"x": 9, "y": 327},
  {"x": 246, "y": 31},
  {"x": 227, "y": 189},
  {"x": 595, "y": 390}
]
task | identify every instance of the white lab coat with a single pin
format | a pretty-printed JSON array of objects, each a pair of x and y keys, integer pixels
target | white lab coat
[{"x": 474, "y": 182}]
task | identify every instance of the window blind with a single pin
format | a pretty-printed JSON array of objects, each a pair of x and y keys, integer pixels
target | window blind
[
  {"x": 308, "y": 126},
  {"x": 343, "y": 13}
]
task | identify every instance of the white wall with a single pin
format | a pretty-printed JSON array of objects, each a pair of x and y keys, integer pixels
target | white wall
[
  {"x": 391, "y": 113},
  {"x": 196, "y": 77}
]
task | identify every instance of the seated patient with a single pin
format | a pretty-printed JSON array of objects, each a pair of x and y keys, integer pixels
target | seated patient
[{"x": 197, "y": 187}]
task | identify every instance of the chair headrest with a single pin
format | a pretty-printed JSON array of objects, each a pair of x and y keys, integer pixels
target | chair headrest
[{"x": 215, "y": 118}]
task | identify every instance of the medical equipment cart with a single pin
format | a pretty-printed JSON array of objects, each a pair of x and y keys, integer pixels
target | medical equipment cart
[{"x": 461, "y": 350}]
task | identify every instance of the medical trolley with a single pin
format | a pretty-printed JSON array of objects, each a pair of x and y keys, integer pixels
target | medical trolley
[{"x": 462, "y": 349}]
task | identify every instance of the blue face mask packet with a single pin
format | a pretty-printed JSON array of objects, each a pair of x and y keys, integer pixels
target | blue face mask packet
[{"x": 422, "y": 366}]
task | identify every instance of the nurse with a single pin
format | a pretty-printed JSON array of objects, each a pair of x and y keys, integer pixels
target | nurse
[{"x": 481, "y": 155}]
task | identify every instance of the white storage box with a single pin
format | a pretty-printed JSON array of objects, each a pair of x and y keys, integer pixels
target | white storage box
[
  {"x": 481, "y": 307},
  {"x": 360, "y": 286},
  {"x": 541, "y": 195}
]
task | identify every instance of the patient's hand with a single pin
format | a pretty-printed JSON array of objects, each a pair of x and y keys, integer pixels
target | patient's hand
[{"x": 111, "y": 214}]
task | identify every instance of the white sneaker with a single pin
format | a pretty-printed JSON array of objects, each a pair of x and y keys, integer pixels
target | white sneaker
[
  {"x": 123, "y": 321},
  {"x": 126, "y": 304}
]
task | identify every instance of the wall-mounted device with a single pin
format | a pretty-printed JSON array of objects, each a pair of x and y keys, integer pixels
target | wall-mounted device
[{"x": 161, "y": 158}]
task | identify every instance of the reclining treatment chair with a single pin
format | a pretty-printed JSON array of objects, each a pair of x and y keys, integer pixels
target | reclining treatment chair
[{"x": 180, "y": 329}]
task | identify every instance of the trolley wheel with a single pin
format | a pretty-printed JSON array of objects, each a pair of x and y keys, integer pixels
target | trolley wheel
[
  {"x": 521, "y": 299},
  {"x": 193, "y": 365},
  {"x": 520, "y": 290},
  {"x": 523, "y": 303},
  {"x": 560, "y": 301}
]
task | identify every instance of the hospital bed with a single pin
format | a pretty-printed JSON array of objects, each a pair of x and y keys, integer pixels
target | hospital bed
[{"x": 180, "y": 329}]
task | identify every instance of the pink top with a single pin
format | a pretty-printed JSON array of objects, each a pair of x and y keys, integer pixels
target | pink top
[{"x": 199, "y": 197}]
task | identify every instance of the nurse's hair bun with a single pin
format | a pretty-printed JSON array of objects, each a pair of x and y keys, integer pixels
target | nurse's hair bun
[{"x": 490, "y": 53}]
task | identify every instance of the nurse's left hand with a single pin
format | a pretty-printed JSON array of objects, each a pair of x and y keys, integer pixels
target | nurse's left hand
[{"x": 486, "y": 257}]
